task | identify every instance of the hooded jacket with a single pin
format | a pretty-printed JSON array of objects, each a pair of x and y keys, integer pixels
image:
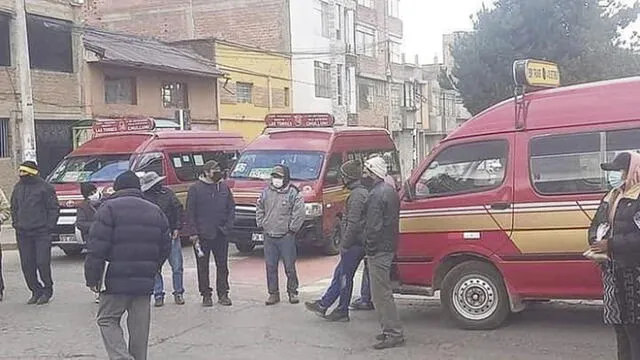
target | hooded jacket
[
  {"x": 34, "y": 205},
  {"x": 210, "y": 209},
  {"x": 383, "y": 219},
  {"x": 354, "y": 217},
  {"x": 132, "y": 234},
  {"x": 280, "y": 211}
]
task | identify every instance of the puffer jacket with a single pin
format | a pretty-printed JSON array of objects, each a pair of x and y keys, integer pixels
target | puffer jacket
[
  {"x": 34, "y": 205},
  {"x": 132, "y": 234},
  {"x": 280, "y": 211},
  {"x": 354, "y": 217},
  {"x": 383, "y": 219}
]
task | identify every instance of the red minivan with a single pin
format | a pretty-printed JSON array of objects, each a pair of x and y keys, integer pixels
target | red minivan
[{"x": 176, "y": 154}]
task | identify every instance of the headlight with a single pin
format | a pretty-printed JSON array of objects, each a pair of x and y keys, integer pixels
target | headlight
[{"x": 313, "y": 209}]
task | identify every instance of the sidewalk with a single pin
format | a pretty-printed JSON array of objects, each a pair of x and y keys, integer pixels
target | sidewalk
[{"x": 8, "y": 238}]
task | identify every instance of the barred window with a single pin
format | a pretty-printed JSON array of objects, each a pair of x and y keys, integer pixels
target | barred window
[
  {"x": 322, "y": 79},
  {"x": 244, "y": 93},
  {"x": 5, "y": 148}
]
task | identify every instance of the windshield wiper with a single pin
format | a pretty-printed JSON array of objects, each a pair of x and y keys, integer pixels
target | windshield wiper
[{"x": 247, "y": 178}]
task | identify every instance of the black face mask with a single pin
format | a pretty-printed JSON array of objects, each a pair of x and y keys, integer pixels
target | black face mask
[{"x": 216, "y": 176}]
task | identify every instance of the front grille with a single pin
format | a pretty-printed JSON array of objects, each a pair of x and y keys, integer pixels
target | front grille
[{"x": 245, "y": 217}]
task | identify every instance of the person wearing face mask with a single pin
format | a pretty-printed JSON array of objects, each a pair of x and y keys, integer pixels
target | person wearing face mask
[
  {"x": 210, "y": 214},
  {"x": 167, "y": 201},
  {"x": 352, "y": 245},
  {"x": 620, "y": 209},
  {"x": 280, "y": 213},
  {"x": 34, "y": 212},
  {"x": 381, "y": 231},
  {"x": 87, "y": 208}
]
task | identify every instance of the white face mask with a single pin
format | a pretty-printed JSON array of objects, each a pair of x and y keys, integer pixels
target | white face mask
[
  {"x": 277, "y": 182},
  {"x": 95, "y": 196},
  {"x": 615, "y": 178}
]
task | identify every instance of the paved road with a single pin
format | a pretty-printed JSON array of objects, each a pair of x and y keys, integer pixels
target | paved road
[{"x": 65, "y": 329}]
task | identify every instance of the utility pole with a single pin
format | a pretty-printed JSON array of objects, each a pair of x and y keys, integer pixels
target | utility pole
[{"x": 27, "y": 125}]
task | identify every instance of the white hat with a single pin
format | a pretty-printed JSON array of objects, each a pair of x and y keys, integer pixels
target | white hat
[
  {"x": 377, "y": 166},
  {"x": 148, "y": 180}
]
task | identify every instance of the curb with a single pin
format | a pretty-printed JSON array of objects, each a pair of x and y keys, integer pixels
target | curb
[{"x": 9, "y": 246}]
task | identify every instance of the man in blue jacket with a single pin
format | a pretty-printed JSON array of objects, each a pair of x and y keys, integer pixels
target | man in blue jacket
[
  {"x": 210, "y": 212},
  {"x": 128, "y": 242}
]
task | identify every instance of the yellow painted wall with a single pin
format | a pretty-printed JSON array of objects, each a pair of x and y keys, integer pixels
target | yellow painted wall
[{"x": 254, "y": 66}]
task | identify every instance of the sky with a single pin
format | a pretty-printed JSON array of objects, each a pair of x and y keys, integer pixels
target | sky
[{"x": 425, "y": 21}]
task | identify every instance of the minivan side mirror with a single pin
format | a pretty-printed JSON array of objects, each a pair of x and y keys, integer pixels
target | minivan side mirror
[{"x": 408, "y": 191}]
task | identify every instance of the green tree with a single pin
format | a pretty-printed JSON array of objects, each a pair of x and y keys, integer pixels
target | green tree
[{"x": 582, "y": 36}]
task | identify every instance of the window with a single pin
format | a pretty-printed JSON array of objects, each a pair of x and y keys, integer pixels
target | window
[
  {"x": 339, "y": 83},
  {"x": 120, "y": 90},
  {"x": 150, "y": 162},
  {"x": 393, "y": 8},
  {"x": 565, "y": 164},
  {"x": 325, "y": 10},
  {"x": 188, "y": 166},
  {"x": 287, "y": 97},
  {"x": 332, "y": 176},
  {"x": 396, "y": 98},
  {"x": 303, "y": 165},
  {"x": 367, "y": 3},
  {"x": 391, "y": 157},
  {"x": 365, "y": 42},
  {"x": 409, "y": 95},
  {"x": 50, "y": 45},
  {"x": 381, "y": 89},
  {"x": 174, "y": 95},
  {"x": 465, "y": 168},
  {"x": 5, "y": 148},
  {"x": 5, "y": 40},
  {"x": 365, "y": 96},
  {"x": 339, "y": 22},
  {"x": 244, "y": 93},
  {"x": 323, "y": 79},
  {"x": 395, "y": 52}
]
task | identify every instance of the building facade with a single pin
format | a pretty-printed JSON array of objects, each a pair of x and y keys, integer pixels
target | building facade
[
  {"x": 256, "y": 82},
  {"x": 57, "y": 89}
]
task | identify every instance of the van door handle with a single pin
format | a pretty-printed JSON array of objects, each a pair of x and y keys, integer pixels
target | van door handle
[{"x": 500, "y": 206}]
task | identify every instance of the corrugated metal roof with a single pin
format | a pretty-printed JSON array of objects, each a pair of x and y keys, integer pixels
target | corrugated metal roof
[{"x": 129, "y": 50}]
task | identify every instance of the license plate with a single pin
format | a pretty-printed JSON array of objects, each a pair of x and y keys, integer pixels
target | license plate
[
  {"x": 257, "y": 237},
  {"x": 67, "y": 238}
]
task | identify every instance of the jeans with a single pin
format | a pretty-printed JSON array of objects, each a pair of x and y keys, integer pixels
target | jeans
[
  {"x": 176, "y": 263},
  {"x": 220, "y": 249},
  {"x": 342, "y": 282},
  {"x": 35, "y": 259},
  {"x": 110, "y": 312},
  {"x": 628, "y": 339},
  {"x": 274, "y": 250},
  {"x": 382, "y": 292},
  {"x": 365, "y": 287}
]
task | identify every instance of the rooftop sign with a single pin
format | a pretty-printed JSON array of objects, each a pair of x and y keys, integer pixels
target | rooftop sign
[
  {"x": 536, "y": 73},
  {"x": 122, "y": 125},
  {"x": 302, "y": 120}
]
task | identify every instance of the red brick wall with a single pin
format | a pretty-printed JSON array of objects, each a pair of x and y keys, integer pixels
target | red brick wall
[{"x": 261, "y": 23}]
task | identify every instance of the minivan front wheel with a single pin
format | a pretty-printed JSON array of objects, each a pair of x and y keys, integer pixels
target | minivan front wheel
[
  {"x": 474, "y": 296},
  {"x": 332, "y": 244}
]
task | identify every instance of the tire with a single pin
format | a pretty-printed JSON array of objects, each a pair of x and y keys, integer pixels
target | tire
[
  {"x": 332, "y": 244},
  {"x": 245, "y": 248},
  {"x": 71, "y": 250},
  {"x": 474, "y": 296}
]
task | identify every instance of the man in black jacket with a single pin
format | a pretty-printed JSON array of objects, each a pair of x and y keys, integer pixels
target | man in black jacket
[
  {"x": 352, "y": 245},
  {"x": 210, "y": 213},
  {"x": 381, "y": 240},
  {"x": 168, "y": 202},
  {"x": 128, "y": 242},
  {"x": 34, "y": 211}
]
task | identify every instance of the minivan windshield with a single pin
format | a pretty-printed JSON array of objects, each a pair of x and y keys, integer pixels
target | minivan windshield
[
  {"x": 257, "y": 165},
  {"x": 90, "y": 168}
]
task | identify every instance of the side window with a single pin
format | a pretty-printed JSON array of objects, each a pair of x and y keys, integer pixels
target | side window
[
  {"x": 390, "y": 157},
  {"x": 465, "y": 168},
  {"x": 566, "y": 164},
  {"x": 183, "y": 164},
  {"x": 622, "y": 140},
  {"x": 151, "y": 162},
  {"x": 332, "y": 175}
]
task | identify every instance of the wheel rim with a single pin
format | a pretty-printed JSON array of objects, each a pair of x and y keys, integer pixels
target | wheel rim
[{"x": 475, "y": 297}]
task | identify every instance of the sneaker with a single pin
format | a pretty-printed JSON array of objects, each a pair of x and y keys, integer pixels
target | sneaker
[
  {"x": 361, "y": 306},
  {"x": 338, "y": 316},
  {"x": 272, "y": 299},
  {"x": 32, "y": 300},
  {"x": 44, "y": 299},
  {"x": 389, "y": 342},
  {"x": 381, "y": 337},
  {"x": 207, "y": 301},
  {"x": 316, "y": 308},
  {"x": 159, "y": 302},
  {"x": 224, "y": 300},
  {"x": 179, "y": 299},
  {"x": 293, "y": 299}
]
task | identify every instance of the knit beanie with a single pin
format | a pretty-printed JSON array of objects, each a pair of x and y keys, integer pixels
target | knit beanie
[
  {"x": 127, "y": 180},
  {"x": 377, "y": 166},
  {"x": 30, "y": 167},
  {"x": 351, "y": 170}
]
